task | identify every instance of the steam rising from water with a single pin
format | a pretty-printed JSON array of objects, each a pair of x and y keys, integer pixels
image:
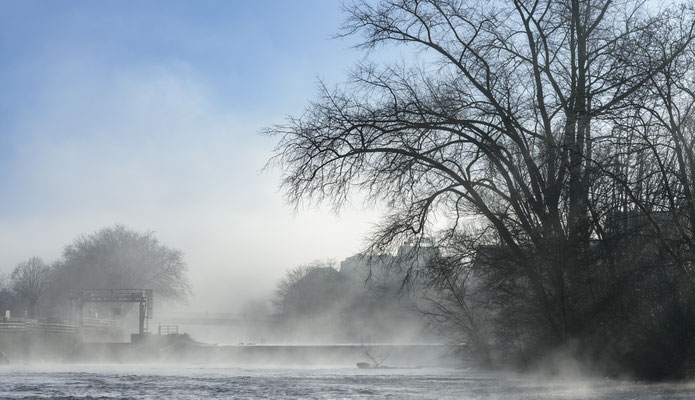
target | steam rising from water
[{"x": 194, "y": 382}]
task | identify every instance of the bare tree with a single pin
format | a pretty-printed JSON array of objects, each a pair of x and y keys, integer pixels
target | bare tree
[
  {"x": 512, "y": 117},
  {"x": 456, "y": 303},
  {"x": 294, "y": 275},
  {"x": 30, "y": 280},
  {"x": 294, "y": 294},
  {"x": 118, "y": 257}
]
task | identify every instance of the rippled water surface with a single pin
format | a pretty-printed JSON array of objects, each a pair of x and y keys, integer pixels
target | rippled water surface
[{"x": 197, "y": 382}]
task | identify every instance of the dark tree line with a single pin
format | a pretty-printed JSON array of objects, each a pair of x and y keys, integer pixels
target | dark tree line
[
  {"x": 319, "y": 302},
  {"x": 556, "y": 137}
]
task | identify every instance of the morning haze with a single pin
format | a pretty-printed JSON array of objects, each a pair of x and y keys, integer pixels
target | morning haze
[
  {"x": 149, "y": 118},
  {"x": 387, "y": 198}
]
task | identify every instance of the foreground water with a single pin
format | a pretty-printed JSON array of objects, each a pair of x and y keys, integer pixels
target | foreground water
[{"x": 197, "y": 382}]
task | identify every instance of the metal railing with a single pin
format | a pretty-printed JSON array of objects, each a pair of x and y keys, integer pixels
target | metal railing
[
  {"x": 100, "y": 323},
  {"x": 34, "y": 326},
  {"x": 168, "y": 329}
]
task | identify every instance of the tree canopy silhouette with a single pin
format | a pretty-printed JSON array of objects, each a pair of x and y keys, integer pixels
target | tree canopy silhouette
[
  {"x": 118, "y": 257},
  {"x": 544, "y": 126},
  {"x": 30, "y": 280}
]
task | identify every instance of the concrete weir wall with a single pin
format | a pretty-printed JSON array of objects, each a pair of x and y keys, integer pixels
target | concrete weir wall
[
  {"x": 36, "y": 346},
  {"x": 175, "y": 350},
  {"x": 62, "y": 347}
]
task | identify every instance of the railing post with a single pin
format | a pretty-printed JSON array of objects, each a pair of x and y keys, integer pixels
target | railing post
[{"x": 142, "y": 317}]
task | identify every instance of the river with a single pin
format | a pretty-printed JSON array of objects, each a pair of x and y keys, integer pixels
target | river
[{"x": 110, "y": 381}]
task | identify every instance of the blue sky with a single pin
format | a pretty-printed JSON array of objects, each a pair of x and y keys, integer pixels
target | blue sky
[{"x": 147, "y": 113}]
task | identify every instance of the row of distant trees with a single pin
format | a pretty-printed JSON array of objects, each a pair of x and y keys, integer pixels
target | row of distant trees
[
  {"x": 114, "y": 257},
  {"x": 322, "y": 301},
  {"x": 556, "y": 140}
]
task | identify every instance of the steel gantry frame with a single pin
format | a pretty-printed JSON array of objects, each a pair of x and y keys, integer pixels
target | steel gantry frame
[{"x": 79, "y": 297}]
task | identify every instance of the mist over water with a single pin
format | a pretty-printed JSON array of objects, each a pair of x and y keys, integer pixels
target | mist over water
[{"x": 224, "y": 382}]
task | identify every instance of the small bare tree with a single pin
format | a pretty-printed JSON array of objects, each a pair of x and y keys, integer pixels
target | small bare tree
[
  {"x": 377, "y": 354},
  {"x": 456, "y": 303},
  {"x": 30, "y": 280}
]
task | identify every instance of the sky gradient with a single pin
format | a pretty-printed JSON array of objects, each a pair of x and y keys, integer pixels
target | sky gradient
[{"x": 147, "y": 114}]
